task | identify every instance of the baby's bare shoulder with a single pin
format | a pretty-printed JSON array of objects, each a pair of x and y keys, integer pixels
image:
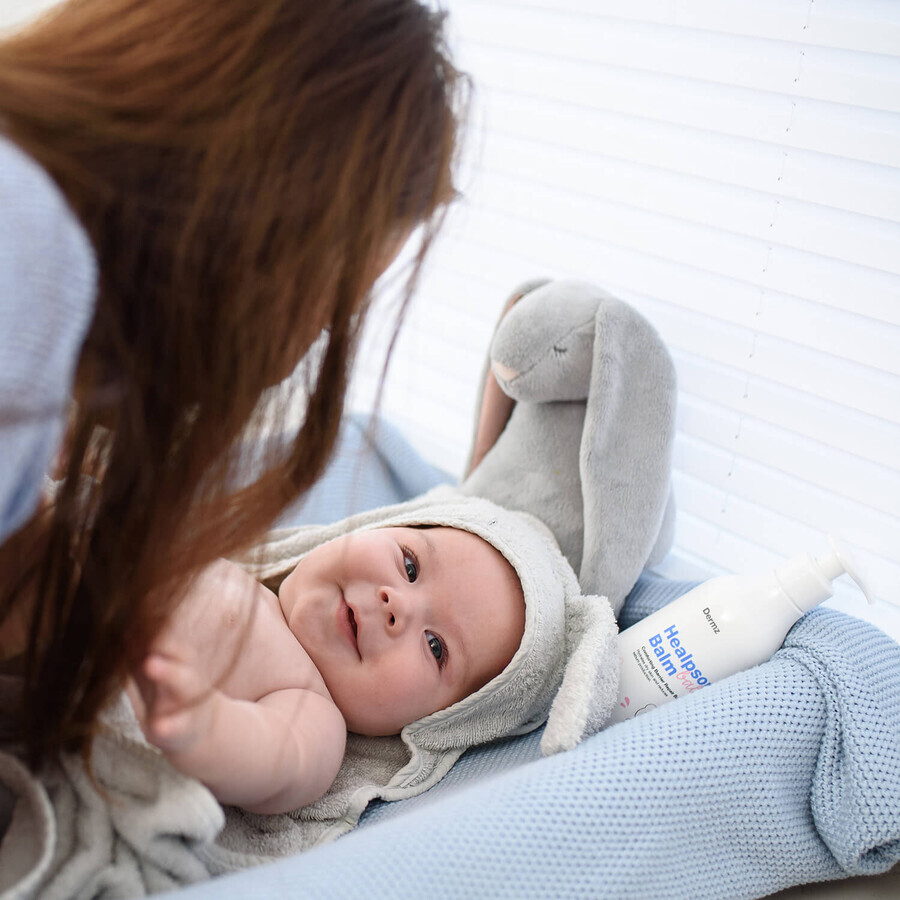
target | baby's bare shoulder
[
  {"x": 320, "y": 736},
  {"x": 232, "y": 628},
  {"x": 311, "y": 713}
]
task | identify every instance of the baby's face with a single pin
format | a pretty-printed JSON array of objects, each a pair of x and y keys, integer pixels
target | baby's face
[{"x": 402, "y": 622}]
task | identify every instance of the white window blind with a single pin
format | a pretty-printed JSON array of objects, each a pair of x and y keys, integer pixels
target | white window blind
[{"x": 731, "y": 169}]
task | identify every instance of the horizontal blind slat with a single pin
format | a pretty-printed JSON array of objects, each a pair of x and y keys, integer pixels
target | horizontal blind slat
[
  {"x": 863, "y": 134},
  {"x": 839, "y": 76},
  {"x": 770, "y": 489},
  {"x": 817, "y": 418},
  {"x": 580, "y": 230},
  {"x": 832, "y": 469},
  {"x": 869, "y": 26},
  {"x": 815, "y": 177},
  {"x": 812, "y": 228},
  {"x": 712, "y": 317},
  {"x": 739, "y": 536}
]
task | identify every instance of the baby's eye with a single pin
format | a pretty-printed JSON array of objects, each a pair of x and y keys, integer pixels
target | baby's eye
[
  {"x": 436, "y": 646},
  {"x": 411, "y": 564}
]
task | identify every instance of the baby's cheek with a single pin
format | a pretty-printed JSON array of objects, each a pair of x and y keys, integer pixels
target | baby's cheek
[{"x": 408, "y": 688}]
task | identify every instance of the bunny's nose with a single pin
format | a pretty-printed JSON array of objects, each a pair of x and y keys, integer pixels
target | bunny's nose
[{"x": 503, "y": 373}]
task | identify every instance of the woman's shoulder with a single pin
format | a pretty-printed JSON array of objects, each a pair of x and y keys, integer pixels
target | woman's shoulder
[
  {"x": 48, "y": 277},
  {"x": 47, "y": 296},
  {"x": 43, "y": 245}
]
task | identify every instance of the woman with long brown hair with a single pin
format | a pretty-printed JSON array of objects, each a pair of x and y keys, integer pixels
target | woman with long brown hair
[{"x": 192, "y": 193}]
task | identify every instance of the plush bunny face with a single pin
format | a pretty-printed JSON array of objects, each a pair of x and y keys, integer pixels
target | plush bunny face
[{"x": 543, "y": 351}]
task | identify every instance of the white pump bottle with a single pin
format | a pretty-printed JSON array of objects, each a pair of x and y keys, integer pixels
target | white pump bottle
[{"x": 721, "y": 627}]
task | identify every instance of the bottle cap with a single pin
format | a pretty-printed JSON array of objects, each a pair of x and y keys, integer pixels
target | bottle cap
[
  {"x": 807, "y": 581},
  {"x": 839, "y": 561}
]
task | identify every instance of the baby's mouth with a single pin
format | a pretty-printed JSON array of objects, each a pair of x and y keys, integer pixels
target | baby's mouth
[{"x": 351, "y": 618}]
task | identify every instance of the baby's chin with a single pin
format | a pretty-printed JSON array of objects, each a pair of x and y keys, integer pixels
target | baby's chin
[{"x": 368, "y": 725}]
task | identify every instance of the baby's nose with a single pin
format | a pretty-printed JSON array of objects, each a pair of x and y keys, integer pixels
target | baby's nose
[
  {"x": 387, "y": 606},
  {"x": 398, "y": 611}
]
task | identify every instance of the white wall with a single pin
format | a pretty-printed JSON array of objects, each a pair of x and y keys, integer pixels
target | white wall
[
  {"x": 730, "y": 168},
  {"x": 15, "y": 12}
]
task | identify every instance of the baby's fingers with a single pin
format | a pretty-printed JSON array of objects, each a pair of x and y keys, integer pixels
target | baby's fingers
[
  {"x": 173, "y": 684},
  {"x": 176, "y": 732},
  {"x": 180, "y": 711}
]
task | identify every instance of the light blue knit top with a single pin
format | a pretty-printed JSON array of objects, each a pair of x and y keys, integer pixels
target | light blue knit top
[{"x": 48, "y": 278}]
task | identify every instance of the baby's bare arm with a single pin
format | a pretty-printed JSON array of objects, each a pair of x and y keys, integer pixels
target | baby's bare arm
[
  {"x": 275, "y": 755},
  {"x": 272, "y": 755}
]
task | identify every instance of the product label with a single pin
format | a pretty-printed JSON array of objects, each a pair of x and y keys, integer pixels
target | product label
[
  {"x": 710, "y": 620},
  {"x": 646, "y": 662},
  {"x": 675, "y": 660}
]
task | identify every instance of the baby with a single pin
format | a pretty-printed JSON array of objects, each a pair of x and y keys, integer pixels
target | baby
[{"x": 253, "y": 692}]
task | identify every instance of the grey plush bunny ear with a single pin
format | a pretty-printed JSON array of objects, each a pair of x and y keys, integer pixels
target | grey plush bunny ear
[
  {"x": 589, "y": 687},
  {"x": 625, "y": 454}
]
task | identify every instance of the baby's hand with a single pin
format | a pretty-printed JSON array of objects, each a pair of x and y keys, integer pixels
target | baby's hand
[{"x": 179, "y": 701}]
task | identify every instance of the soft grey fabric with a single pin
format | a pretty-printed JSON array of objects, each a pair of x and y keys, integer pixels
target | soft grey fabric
[
  {"x": 588, "y": 446},
  {"x": 27, "y": 846},
  {"x": 131, "y": 831}
]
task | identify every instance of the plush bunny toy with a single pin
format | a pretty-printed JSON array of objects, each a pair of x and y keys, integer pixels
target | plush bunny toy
[{"x": 588, "y": 446}]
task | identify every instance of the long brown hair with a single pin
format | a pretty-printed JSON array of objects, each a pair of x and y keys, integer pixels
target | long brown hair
[{"x": 241, "y": 168}]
